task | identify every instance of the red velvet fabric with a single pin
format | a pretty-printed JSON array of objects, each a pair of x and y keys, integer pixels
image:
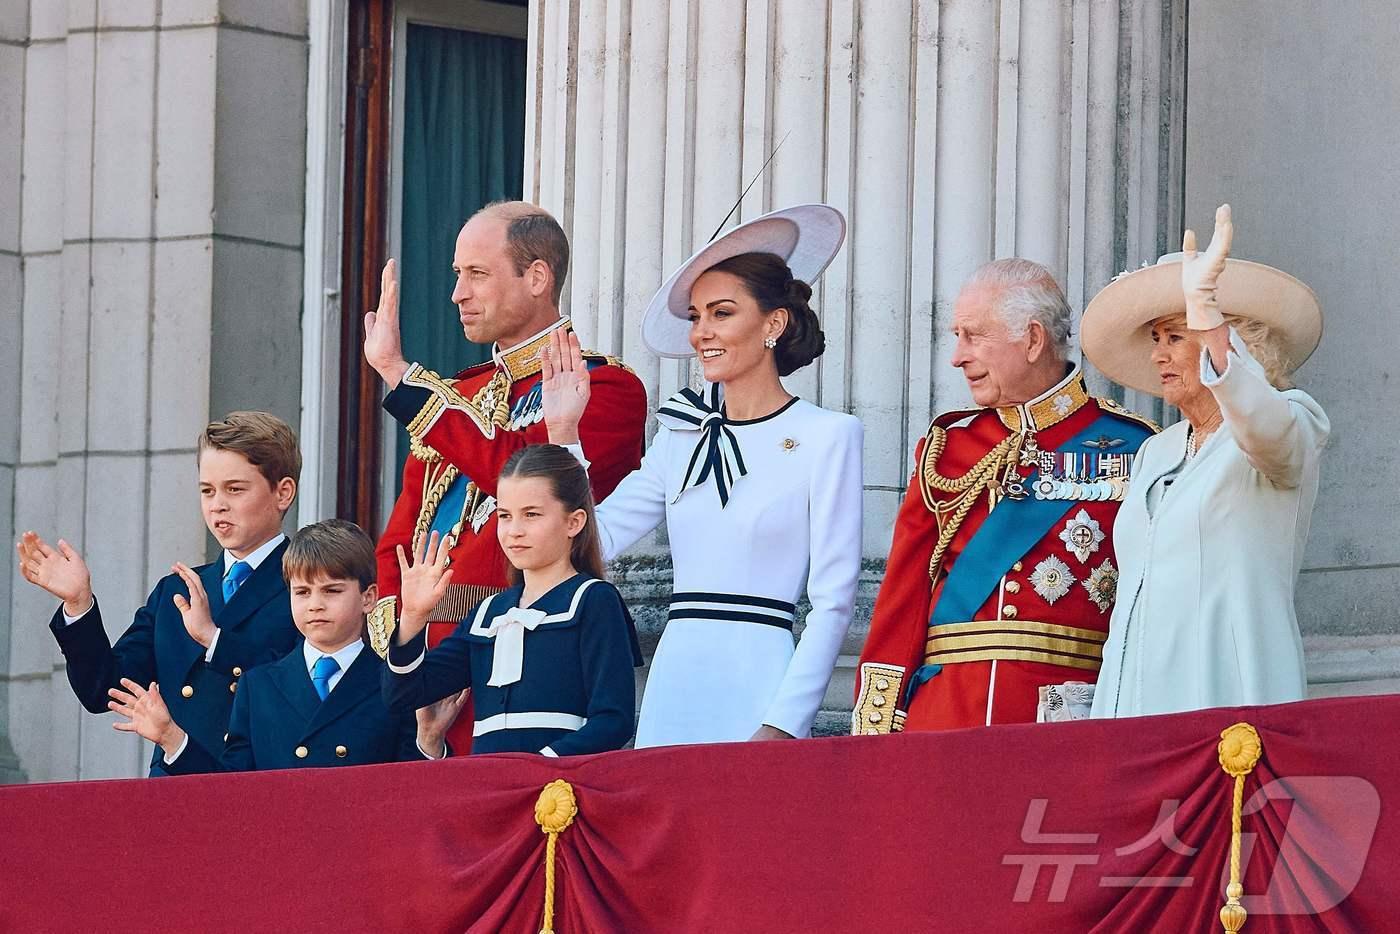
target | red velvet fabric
[{"x": 914, "y": 832}]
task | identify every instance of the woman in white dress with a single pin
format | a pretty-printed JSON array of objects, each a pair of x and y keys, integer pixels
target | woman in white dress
[
  {"x": 760, "y": 490},
  {"x": 1210, "y": 538}
]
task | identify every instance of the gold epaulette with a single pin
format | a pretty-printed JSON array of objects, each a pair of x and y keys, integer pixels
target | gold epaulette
[
  {"x": 1113, "y": 407},
  {"x": 609, "y": 359}
]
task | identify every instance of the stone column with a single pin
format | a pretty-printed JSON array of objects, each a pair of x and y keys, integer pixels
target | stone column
[
  {"x": 950, "y": 133},
  {"x": 158, "y": 252}
]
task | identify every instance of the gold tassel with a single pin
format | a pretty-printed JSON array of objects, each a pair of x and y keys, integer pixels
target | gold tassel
[
  {"x": 554, "y": 812},
  {"x": 1239, "y": 751}
]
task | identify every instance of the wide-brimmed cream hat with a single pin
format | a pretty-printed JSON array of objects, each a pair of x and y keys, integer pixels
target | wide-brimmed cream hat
[
  {"x": 1116, "y": 330},
  {"x": 806, "y": 236}
]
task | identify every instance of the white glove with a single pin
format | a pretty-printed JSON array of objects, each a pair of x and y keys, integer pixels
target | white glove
[{"x": 1200, "y": 272}]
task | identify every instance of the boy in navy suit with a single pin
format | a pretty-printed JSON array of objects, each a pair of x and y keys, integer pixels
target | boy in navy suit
[
  {"x": 321, "y": 704},
  {"x": 201, "y": 628}
]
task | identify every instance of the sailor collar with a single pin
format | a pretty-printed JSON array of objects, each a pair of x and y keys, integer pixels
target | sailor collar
[
  {"x": 523, "y": 359},
  {"x": 557, "y": 605},
  {"x": 1051, "y": 407}
]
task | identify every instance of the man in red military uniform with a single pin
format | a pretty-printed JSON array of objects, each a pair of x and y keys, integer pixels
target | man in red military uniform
[
  {"x": 1001, "y": 577},
  {"x": 510, "y": 261}
]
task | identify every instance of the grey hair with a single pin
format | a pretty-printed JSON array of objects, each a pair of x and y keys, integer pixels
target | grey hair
[{"x": 1026, "y": 292}]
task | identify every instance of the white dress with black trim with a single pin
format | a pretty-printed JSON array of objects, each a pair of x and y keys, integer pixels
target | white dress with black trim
[{"x": 756, "y": 511}]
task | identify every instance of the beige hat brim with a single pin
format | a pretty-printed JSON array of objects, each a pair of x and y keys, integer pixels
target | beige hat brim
[
  {"x": 805, "y": 236},
  {"x": 1116, "y": 329}
]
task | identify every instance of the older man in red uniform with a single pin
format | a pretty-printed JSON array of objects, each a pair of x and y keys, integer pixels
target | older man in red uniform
[
  {"x": 510, "y": 260},
  {"x": 1001, "y": 577}
]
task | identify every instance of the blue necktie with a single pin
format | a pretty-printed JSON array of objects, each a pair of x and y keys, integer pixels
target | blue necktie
[
  {"x": 321, "y": 675},
  {"x": 237, "y": 573}
]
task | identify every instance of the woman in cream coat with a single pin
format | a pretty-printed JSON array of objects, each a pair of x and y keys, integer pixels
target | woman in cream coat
[{"x": 1211, "y": 536}]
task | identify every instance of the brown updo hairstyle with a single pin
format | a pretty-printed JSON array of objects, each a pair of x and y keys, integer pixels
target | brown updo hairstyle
[
  {"x": 769, "y": 281},
  {"x": 568, "y": 483}
]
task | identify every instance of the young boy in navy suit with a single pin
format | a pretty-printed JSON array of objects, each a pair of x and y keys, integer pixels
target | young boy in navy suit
[
  {"x": 318, "y": 706},
  {"x": 201, "y": 628}
]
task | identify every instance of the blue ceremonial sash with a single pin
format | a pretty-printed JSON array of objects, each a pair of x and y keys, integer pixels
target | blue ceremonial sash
[
  {"x": 449, "y": 511},
  {"x": 1007, "y": 533}
]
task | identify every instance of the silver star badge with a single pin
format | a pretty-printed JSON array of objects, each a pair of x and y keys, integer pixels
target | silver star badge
[
  {"x": 1082, "y": 535},
  {"x": 1052, "y": 579}
]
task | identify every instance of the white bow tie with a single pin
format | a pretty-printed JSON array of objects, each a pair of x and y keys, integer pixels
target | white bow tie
[{"x": 508, "y": 655}]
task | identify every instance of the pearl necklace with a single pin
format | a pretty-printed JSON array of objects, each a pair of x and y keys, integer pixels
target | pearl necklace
[{"x": 1195, "y": 439}]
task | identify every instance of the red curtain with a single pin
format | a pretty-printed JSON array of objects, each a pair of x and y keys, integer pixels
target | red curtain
[{"x": 1112, "y": 826}]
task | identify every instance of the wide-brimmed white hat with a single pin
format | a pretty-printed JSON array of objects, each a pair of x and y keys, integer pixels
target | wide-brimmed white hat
[
  {"x": 1116, "y": 331},
  {"x": 806, "y": 236}
]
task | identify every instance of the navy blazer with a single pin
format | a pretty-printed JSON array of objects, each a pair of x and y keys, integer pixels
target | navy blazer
[
  {"x": 279, "y": 722},
  {"x": 576, "y": 693},
  {"x": 254, "y": 628}
]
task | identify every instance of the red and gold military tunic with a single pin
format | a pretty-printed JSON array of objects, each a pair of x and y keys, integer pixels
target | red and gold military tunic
[
  {"x": 1034, "y": 610},
  {"x": 462, "y": 432}
]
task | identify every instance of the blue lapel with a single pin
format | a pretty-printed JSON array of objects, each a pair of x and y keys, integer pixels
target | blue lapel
[
  {"x": 212, "y": 576},
  {"x": 262, "y": 585},
  {"x": 289, "y": 676},
  {"x": 357, "y": 684}
]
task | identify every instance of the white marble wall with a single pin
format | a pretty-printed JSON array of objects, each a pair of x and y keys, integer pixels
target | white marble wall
[
  {"x": 949, "y": 133},
  {"x": 151, "y": 167}
]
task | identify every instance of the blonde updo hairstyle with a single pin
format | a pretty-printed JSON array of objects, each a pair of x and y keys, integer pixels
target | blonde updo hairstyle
[{"x": 1258, "y": 337}]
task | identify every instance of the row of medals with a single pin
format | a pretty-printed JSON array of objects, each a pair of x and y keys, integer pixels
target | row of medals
[{"x": 1073, "y": 486}]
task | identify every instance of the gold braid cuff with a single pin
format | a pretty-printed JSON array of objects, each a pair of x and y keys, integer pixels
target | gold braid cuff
[
  {"x": 875, "y": 709},
  {"x": 382, "y": 620}
]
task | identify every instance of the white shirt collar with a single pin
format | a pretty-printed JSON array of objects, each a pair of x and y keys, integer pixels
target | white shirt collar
[
  {"x": 344, "y": 657},
  {"x": 256, "y": 557}
]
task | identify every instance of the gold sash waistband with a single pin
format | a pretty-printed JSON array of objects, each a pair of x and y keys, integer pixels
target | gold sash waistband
[
  {"x": 1015, "y": 640},
  {"x": 459, "y": 600}
]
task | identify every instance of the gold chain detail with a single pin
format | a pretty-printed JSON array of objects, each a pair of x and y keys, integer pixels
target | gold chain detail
[{"x": 987, "y": 475}]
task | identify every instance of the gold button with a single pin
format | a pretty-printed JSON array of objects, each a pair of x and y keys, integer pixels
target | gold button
[
  {"x": 233, "y": 687},
  {"x": 341, "y": 751},
  {"x": 1008, "y": 611},
  {"x": 303, "y": 752},
  {"x": 882, "y": 685},
  {"x": 1016, "y": 566},
  {"x": 1013, "y": 587},
  {"x": 187, "y": 691},
  {"x": 237, "y": 672},
  {"x": 874, "y": 716},
  {"x": 877, "y": 701}
]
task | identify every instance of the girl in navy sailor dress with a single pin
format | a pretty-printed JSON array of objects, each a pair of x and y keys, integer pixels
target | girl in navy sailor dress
[{"x": 550, "y": 661}]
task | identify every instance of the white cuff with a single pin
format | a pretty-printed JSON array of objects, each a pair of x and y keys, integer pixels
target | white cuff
[
  {"x": 70, "y": 620},
  {"x": 576, "y": 449},
  {"x": 209, "y": 652},
  {"x": 170, "y": 759},
  {"x": 428, "y": 755},
  {"x": 549, "y": 753}
]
